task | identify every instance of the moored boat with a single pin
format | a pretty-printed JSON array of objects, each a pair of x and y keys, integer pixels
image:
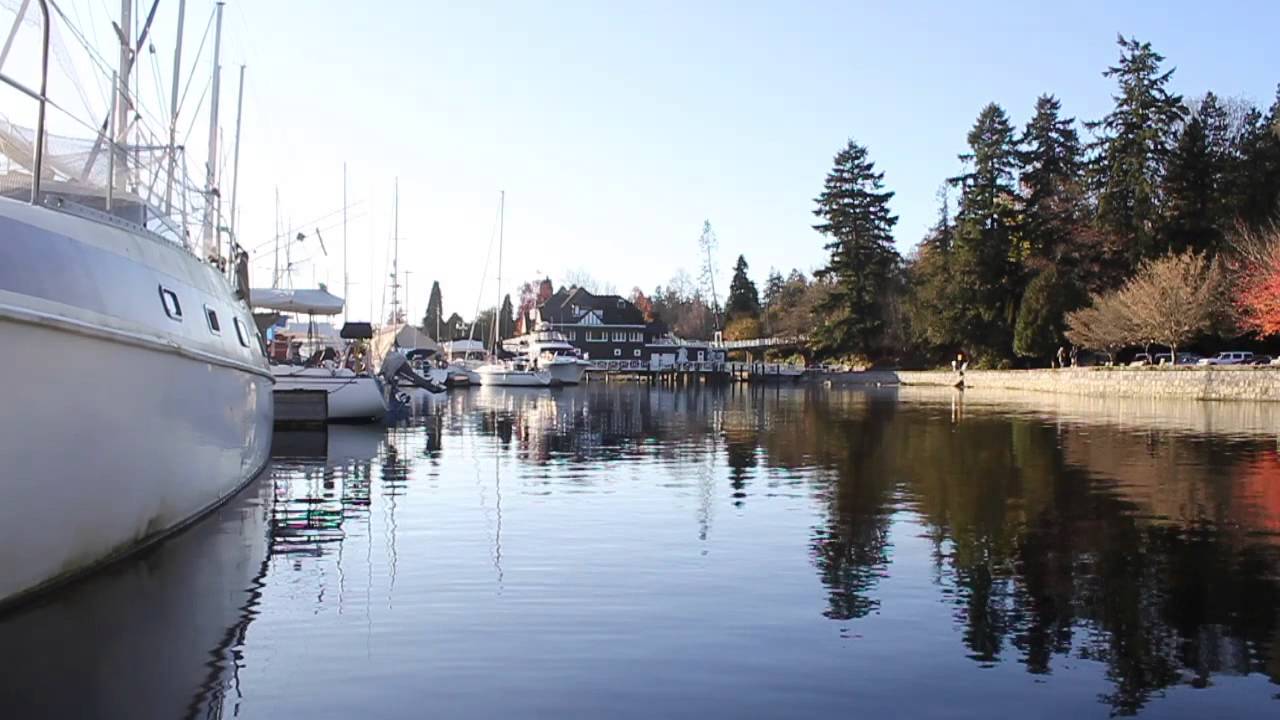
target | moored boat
[{"x": 139, "y": 397}]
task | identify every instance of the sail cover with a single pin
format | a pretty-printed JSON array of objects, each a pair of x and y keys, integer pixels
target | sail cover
[{"x": 312, "y": 302}]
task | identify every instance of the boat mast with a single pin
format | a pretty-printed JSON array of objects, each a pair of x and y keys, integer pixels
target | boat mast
[
  {"x": 275, "y": 274},
  {"x": 395, "y": 255},
  {"x": 235, "y": 172},
  {"x": 497, "y": 309},
  {"x": 212, "y": 242},
  {"x": 173, "y": 112},
  {"x": 346, "y": 285},
  {"x": 122, "y": 107}
]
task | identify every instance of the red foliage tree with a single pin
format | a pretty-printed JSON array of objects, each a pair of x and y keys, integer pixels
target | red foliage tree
[
  {"x": 643, "y": 303},
  {"x": 1258, "y": 297}
]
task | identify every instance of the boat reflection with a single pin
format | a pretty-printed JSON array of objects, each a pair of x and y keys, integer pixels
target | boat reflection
[{"x": 154, "y": 637}]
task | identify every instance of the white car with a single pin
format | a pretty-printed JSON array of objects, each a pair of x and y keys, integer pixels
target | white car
[{"x": 1228, "y": 358}]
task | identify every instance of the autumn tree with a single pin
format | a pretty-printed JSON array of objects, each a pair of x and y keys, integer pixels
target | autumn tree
[
  {"x": 643, "y": 304},
  {"x": 854, "y": 215},
  {"x": 1103, "y": 325},
  {"x": 1257, "y": 296},
  {"x": 1173, "y": 299}
]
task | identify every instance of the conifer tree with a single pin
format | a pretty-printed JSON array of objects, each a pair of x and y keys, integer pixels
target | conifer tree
[
  {"x": 985, "y": 263},
  {"x": 1196, "y": 208},
  {"x": 1133, "y": 147},
  {"x": 433, "y": 318},
  {"x": 854, "y": 213},
  {"x": 744, "y": 300},
  {"x": 1053, "y": 197},
  {"x": 506, "y": 319},
  {"x": 1255, "y": 183}
]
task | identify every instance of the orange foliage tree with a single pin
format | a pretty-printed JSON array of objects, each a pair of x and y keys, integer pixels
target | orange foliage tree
[{"x": 1257, "y": 298}]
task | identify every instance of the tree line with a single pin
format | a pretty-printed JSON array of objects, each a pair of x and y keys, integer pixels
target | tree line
[{"x": 1124, "y": 238}]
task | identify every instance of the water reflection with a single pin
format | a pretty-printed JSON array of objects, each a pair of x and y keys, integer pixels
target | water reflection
[{"x": 504, "y": 552}]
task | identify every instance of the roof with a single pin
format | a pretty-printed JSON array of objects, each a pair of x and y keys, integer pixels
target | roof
[{"x": 613, "y": 309}]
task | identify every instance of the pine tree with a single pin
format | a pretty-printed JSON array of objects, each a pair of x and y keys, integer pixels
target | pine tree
[
  {"x": 1133, "y": 147},
  {"x": 1053, "y": 198},
  {"x": 854, "y": 209},
  {"x": 1255, "y": 183},
  {"x": 506, "y": 319},
  {"x": 1042, "y": 324},
  {"x": 986, "y": 275},
  {"x": 433, "y": 318},
  {"x": 743, "y": 301},
  {"x": 773, "y": 287},
  {"x": 1194, "y": 186}
]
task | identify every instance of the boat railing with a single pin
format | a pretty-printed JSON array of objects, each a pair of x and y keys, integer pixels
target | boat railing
[{"x": 41, "y": 97}]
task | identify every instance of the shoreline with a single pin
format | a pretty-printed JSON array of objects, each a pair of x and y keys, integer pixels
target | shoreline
[{"x": 1260, "y": 384}]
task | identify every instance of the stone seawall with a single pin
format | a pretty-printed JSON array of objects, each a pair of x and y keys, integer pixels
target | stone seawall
[{"x": 1207, "y": 383}]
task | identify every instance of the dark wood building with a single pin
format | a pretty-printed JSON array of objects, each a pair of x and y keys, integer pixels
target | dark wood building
[{"x": 603, "y": 327}]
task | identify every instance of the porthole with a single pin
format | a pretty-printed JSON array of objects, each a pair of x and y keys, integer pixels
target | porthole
[
  {"x": 211, "y": 316},
  {"x": 242, "y": 334},
  {"x": 169, "y": 299}
]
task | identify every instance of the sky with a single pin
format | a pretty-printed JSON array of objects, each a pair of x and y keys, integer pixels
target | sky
[{"x": 615, "y": 129}]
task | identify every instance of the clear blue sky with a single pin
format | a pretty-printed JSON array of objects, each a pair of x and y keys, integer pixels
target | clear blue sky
[{"x": 616, "y": 128}]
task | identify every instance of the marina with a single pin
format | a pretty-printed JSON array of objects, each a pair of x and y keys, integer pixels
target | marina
[
  {"x": 497, "y": 433},
  {"x": 514, "y": 552}
]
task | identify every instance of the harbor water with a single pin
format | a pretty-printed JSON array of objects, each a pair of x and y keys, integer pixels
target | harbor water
[{"x": 627, "y": 551}]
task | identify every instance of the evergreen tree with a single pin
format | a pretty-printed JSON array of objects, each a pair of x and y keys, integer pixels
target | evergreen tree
[
  {"x": 1042, "y": 325},
  {"x": 743, "y": 301},
  {"x": 985, "y": 263},
  {"x": 433, "y": 318},
  {"x": 1255, "y": 182},
  {"x": 506, "y": 319},
  {"x": 854, "y": 213},
  {"x": 1133, "y": 147},
  {"x": 1053, "y": 198},
  {"x": 773, "y": 287},
  {"x": 1195, "y": 202}
]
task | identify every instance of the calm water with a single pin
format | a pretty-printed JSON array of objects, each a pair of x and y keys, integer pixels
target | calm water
[{"x": 616, "y": 551}]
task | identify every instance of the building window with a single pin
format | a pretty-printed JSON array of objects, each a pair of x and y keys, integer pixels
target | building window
[
  {"x": 172, "y": 307},
  {"x": 619, "y": 336},
  {"x": 636, "y": 336},
  {"x": 597, "y": 336},
  {"x": 636, "y": 352},
  {"x": 211, "y": 316},
  {"x": 241, "y": 333},
  {"x": 617, "y": 352}
]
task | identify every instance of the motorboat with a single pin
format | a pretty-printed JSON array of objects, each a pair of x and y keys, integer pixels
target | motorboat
[
  {"x": 141, "y": 398},
  {"x": 513, "y": 373},
  {"x": 548, "y": 350}
]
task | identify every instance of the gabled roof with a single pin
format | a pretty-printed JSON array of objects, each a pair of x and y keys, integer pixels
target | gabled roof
[{"x": 613, "y": 309}]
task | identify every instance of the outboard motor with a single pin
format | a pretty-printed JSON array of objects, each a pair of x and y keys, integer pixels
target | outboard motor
[{"x": 396, "y": 369}]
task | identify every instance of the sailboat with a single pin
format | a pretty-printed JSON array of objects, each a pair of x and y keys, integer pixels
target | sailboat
[
  {"x": 139, "y": 397},
  {"x": 517, "y": 372}
]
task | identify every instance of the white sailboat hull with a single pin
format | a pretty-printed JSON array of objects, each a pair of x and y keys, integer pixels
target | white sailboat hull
[
  {"x": 118, "y": 425},
  {"x": 513, "y": 378},
  {"x": 352, "y": 398}
]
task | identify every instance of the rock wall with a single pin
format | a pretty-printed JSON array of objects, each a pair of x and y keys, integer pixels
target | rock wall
[{"x": 1207, "y": 383}]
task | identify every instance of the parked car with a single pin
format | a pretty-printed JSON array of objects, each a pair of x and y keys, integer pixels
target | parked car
[
  {"x": 1261, "y": 360},
  {"x": 1184, "y": 358},
  {"x": 1228, "y": 358},
  {"x": 1139, "y": 360}
]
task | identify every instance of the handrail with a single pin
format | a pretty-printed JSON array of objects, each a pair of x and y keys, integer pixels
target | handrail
[{"x": 38, "y": 161}]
